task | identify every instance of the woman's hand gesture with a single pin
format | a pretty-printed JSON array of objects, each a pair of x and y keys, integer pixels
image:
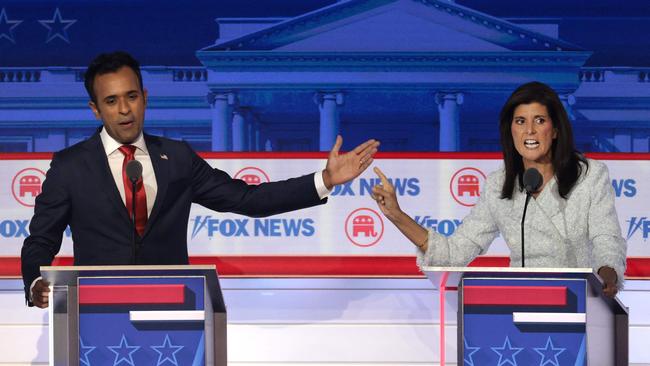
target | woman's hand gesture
[{"x": 384, "y": 194}]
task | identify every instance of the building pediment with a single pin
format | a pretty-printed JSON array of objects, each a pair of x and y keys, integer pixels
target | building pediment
[{"x": 394, "y": 26}]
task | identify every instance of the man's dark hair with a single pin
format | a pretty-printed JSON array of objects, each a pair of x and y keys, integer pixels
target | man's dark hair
[
  {"x": 565, "y": 158},
  {"x": 106, "y": 63}
]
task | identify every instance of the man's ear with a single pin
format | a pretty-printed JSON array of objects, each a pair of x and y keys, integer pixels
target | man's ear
[
  {"x": 145, "y": 93},
  {"x": 93, "y": 107}
]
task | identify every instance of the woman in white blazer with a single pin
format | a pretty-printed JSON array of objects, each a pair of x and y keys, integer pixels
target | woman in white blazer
[{"x": 571, "y": 222}]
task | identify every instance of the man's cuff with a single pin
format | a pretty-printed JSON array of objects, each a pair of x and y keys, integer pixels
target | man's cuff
[
  {"x": 32, "y": 286},
  {"x": 321, "y": 189}
]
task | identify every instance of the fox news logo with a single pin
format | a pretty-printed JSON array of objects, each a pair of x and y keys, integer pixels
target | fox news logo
[
  {"x": 638, "y": 224},
  {"x": 363, "y": 187},
  {"x": 19, "y": 228},
  {"x": 624, "y": 187},
  {"x": 26, "y": 185},
  {"x": 252, "y": 227},
  {"x": 445, "y": 227},
  {"x": 252, "y": 175},
  {"x": 465, "y": 186}
]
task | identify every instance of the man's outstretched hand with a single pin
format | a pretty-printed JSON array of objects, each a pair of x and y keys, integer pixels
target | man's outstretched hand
[{"x": 342, "y": 168}]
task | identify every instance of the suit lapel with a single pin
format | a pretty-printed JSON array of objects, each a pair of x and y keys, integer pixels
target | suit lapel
[
  {"x": 160, "y": 165},
  {"x": 550, "y": 206},
  {"x": 543, "y": 214},
  {"x": 101, "y": 174}
]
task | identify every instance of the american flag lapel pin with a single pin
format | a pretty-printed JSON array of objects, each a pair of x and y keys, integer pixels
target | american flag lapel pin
[{"x": 163, "y": 156}]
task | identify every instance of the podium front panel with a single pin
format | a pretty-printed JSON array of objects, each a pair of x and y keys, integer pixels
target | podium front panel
[
  {"x": 140, "y": 319},
  {"x": 524, "y": 321}
]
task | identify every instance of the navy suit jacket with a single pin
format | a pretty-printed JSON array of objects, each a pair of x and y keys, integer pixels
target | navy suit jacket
[{"x": 79, "y": 190}]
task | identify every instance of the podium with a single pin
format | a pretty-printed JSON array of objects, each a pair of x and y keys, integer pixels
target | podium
[
  {"x": 106, "y": 315},
  {"x": 532, "y": 316}
]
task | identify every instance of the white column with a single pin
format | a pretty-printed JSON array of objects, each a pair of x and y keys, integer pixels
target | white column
[
  {"x": 568, "y": 100},
  {"x": 239, "y": 130},
  {"x": 221, "y": 123},
  {"x": 329, "y": 104},
  {"x": 258, "y": 136},
  {"x": 449, "y": 120},
  {"x": 252, "y": 126}
]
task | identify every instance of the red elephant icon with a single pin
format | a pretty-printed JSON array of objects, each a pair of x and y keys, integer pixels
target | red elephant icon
[
  {"x": 251, "y": 179},
  {"x": 363, "y": 224},
  {"x": 468, "y": 184},
  {"x": 29, "y": 184}
]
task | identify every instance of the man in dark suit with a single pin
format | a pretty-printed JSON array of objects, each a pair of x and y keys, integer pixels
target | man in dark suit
[{"x": 86, "y": 186}]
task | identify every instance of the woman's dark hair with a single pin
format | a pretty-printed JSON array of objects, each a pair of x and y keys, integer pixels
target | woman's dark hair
[
  {"x": 106, "y": 63},
  {"x": 564, "y": 157}
]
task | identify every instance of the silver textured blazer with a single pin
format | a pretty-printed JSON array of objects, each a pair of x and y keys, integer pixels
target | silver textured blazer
[{"x": 580, "y": 231}]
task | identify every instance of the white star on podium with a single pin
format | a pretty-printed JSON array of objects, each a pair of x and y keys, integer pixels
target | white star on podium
[
  {"x": 83, "y": 352},
  {"x": 167, "y": 349},
  {"x": 507, "y": 353},
  {"x": 123, "y": 352},
  {"x": 549, "y": 353}
]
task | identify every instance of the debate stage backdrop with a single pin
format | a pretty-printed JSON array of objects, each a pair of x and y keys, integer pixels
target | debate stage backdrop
[
  {"x": 282, "y": 76},
  {"x": 285, "y": 75}
]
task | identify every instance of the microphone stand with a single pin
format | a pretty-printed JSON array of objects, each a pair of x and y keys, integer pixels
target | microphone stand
[
  {"x": 532, "y": 181},
  {"x": 523, "y": 257},
  {"x": 134, "y": 247}
]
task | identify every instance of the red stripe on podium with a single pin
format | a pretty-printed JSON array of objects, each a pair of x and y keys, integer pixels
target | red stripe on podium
[
  {"x": 489, "y": 261},
  {"x": 131, "y": 294},
  {"x": 515, "y": 295}
]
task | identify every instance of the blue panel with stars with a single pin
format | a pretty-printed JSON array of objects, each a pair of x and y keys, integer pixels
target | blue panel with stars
[
  {"x": 490, "y": 337},
  {"x": 107, "y": 336}
]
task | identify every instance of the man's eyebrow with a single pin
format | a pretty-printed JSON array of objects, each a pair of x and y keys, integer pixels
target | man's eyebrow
[{"x": 127, "y": 93}]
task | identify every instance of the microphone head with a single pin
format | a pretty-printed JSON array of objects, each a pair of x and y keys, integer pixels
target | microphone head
[
  {"x": 133, "y": 170},
  {"x": 532, "y": 180}
]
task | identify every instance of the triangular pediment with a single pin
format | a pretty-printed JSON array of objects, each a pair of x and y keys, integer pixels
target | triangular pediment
[{"x": 394, "y": 26}]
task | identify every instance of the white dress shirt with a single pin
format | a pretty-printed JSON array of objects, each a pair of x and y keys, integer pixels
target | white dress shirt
[{"x": 116, "y": 159}]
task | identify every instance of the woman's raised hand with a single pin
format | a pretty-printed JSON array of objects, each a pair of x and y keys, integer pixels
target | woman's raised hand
[{"x": 384, "y": 194}]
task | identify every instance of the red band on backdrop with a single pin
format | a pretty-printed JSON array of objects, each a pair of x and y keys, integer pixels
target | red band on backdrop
[
  {"x": 324, "y": 266},
  {"x": 332, "y": 265}
]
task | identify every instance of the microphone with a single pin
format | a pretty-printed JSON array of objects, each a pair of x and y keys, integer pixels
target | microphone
[
  {"x": 133, "y": 170},
  {"x": 134, "y": 173},
  {"x": 532, "y": 181}
]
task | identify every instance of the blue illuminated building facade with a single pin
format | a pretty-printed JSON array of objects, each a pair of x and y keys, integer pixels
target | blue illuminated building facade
[{"x": 427, "y": 75}]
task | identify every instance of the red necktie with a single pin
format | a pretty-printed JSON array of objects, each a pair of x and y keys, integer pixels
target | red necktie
[{"x": 140, "y": 195}]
